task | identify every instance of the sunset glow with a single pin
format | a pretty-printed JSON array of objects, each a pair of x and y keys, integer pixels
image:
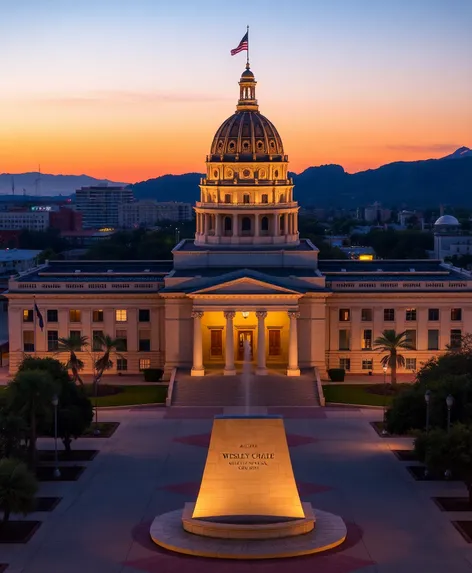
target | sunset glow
[{"x": 130, "y": 90}]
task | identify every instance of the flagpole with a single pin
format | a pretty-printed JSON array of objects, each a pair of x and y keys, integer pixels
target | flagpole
[
  {"x": 247, "y": 60},
  {"x": 34, "y": 324}
]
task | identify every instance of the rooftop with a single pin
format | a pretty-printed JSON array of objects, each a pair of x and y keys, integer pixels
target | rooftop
[
  {"x": 189, "y": 245},
  {"x": 18, "y": 255}
]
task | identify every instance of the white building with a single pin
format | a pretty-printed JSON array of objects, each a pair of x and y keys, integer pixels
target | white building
[
  {"x": 448, "y": 239},
  {"x": 99, "y": 205},
  {"x": 18, "y": 220},
  {"x": 246, "y": 277},
  {"x": 147, "y": 213}
]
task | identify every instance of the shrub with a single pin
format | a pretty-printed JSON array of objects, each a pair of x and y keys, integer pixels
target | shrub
[
  {"x": 153, "y": 374},
  {"x": 18, "y": 487},
  {"x": 336, "y": 374}
]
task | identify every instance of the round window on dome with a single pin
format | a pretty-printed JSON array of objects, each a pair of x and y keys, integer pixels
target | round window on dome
[
  {"x": 220, "y": 146},
  {"x": 272, "y": 144},
  {"x": 260, "y": 146},
  {"x": 246, "y": 173},
  {"x": 232, "y": 146},
  {"x": 246, "y": 145}
]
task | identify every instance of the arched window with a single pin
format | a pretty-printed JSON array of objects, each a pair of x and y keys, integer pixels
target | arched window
[
  {"x": 246, "y": 198},
  {"x": 282, "y": 223},
  {"x": 246, "y": 224},
  {"x": 264, "y": 198},
  {"x": 282, "y": 198},
  {"x": 227, "y": 198},
  {"x": 228, "y": 224},
  {"x": 265, "y": 224}
]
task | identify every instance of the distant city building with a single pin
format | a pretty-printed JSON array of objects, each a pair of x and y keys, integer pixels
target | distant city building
[
  {"x": 147, "y": 213},
  {"x": 448, "y": 239},
  {"x": 359, "y": 253},
  {"x": 66, "y": 219},
  {"x": 407, "y": 217},
  {"x": 24, "y": 219},
  {"x": 375, "y": 212},
  {"x": 17, "y": 260},
  {"x": 99, "y": 205}
]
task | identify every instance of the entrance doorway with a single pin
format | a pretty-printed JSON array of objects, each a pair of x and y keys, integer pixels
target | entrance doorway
[{"x": 244, "y": 335}]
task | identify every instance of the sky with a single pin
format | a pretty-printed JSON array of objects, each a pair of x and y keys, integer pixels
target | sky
[{"x": 134, "y": 89}]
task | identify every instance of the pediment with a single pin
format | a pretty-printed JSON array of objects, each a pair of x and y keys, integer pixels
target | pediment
[{"x": 246, "y": 285}]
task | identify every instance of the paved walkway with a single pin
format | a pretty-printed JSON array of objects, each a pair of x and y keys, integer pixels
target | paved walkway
[
  {"x": 216, "y": 390},
  {"x": 153, "y": 465}
]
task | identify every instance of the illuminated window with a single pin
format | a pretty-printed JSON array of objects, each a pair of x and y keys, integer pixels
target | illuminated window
[
  {"x": 410, "y": 314},
  {"x": 366, "y": 315},
  {"x": 367, "y": 364},
  {"x": 433, "y": 314},
  {"x": 121, "y": 315},
  {"x": 367, "y": 340},
  {"x": 389, "y": 314},
  {"x": 144, "y": 363},
  {"x": 345, "y": 363},
  {"x": 456, "y": 314},
  {"x": 75, "y": 315},
  {"x": 28, "y": 315},
  {"x": 344, "y": 315}
]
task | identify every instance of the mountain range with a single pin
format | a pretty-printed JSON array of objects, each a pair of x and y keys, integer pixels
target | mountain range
[{"x": 422, "y": 184}]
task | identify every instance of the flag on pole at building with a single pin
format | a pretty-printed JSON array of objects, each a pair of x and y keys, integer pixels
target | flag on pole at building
[
  {"x": 243, "y": 45},
  {"x": 39, "y": 316}
]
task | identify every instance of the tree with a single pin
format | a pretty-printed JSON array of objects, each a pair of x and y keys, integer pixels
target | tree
[
  {"x": 12, "y": 430},
  {"x": 109, "y": 346},
  {"x": 30, "y": 394},
  {"x": 72, "y": 345},
  {"x": 390, "y": 342},
  {"x": 443, "y": 451},
  {"x": 75, "y": 412},
  {"x": 18, "y": 487}
]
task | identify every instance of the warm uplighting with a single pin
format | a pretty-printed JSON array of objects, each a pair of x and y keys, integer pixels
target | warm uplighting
[
  {"x": 366, "y": 257},
  {"x": 245, "y": 314}
]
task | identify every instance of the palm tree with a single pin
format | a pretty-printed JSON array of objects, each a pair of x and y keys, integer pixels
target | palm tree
[
  {"x": 30, "y": 394},
  {"x": 390, "y": 342},
  {"x": 72, "y": 345},
  {"x": 18, "y": 487},
  {"x": 109, "y": 346}
]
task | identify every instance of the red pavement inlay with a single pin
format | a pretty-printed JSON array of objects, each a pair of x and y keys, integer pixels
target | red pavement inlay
[
  {"x": 162, "y": 561},
  {"x": 203, "y": 440},
  {"x": 190, "y": 489}
]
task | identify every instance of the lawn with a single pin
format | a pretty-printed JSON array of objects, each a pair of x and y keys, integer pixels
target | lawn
[
  {"x": 354, "y": 394},
  {"x": 133, "y": 394}
]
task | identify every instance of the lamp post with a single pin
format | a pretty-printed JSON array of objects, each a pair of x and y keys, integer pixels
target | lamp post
[
  {"x": 427, "y": 399},
  {"x": 449, "y": 404},
  {"x": 57, "y": 471},
  {"x": 384, "y": 429},
  {"x": 96, "y": 431}
]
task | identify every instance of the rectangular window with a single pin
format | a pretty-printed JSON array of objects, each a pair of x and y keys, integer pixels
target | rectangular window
[
  {"x": 28, "y": 341},
  {"x": 28, "y": 315},
  {"x": 344, "y": 315},
  {"x": 433, "y": 314},
  {"x": 367, "y": 339},
  {"x": 144, "y": 363},
  {"x": 367, "y": 364},
  {"x": 121, "y": 364},
  {"x": 121, "y": 315},
  {"x": 53, "y": 340},
  {"x": 411, "y": 338},
  {"x": 389, "y": 314},
  {"x": 366, "y": 315},
  {"x": 410, "y": 314},
  {"x": 122, "y": 340},
  {"x": 456, "y": 313},
  {"x": 344, "y": 340},
  {"x": 75, "y": 315},
  {"x": 227, "y": 198},
  {"x": 97, "y": 316},
  {"x": 144, "y": 315},
  {"x": 433, "y": 339},
  {"x": 410, "y": 363},
  {"x": 75, "y": 334},
  {"x": 52, "y": 316},
  {"x": 275, "y": 348},
  {"x": 456, "y": 338},
  {"x": 96, "y": 340},
  {"x": 144, "y": 341},
  {"x": 345, "y": 363}
]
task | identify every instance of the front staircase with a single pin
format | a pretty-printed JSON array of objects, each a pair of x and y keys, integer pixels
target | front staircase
[{"x": 273, "y": 390}]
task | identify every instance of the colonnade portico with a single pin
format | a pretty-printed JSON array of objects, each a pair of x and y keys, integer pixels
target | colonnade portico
[{"x": 262, "y": 334}]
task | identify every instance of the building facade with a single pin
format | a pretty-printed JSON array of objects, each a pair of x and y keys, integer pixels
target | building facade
[
  {"x": 99, "y": 205},
  {"x": 148, "y": 213},
  {"x": 247, "y": 280},
  {"x": 24, "y": 219}
]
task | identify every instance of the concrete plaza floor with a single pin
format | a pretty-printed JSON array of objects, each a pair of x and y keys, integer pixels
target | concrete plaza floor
[{"x": 153, "y": 464}]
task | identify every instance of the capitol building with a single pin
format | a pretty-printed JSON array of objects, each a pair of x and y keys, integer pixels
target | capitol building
[{"x": 246, "y": 276}]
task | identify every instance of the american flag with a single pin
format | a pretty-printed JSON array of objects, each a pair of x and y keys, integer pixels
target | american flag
[{"x": 243, "y": 45}]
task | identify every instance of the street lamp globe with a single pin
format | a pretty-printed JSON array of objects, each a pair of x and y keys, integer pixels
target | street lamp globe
[
  {"x": 449, "y": 401},
  {"x": 427, "y": 396},
  {"x": 55, "y": 401},
  {"x": 384, "y": 368}
]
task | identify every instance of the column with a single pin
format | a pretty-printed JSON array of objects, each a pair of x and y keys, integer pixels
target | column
[
  {"x": 235, "y": 226},
  {"x": 229, "y": 346},
  {"x": 218, "y": 225},
  {"x": 261, "y": 369},
  {"x": 293, "y": 369},
  {"x": 197, "y": 368},
  {"x": 257, "y": 225}
]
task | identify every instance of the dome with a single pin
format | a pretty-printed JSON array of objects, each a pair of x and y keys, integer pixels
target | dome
[
  {"x": 447, "y": 220},
  {"x": 247, "y": 136}
]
